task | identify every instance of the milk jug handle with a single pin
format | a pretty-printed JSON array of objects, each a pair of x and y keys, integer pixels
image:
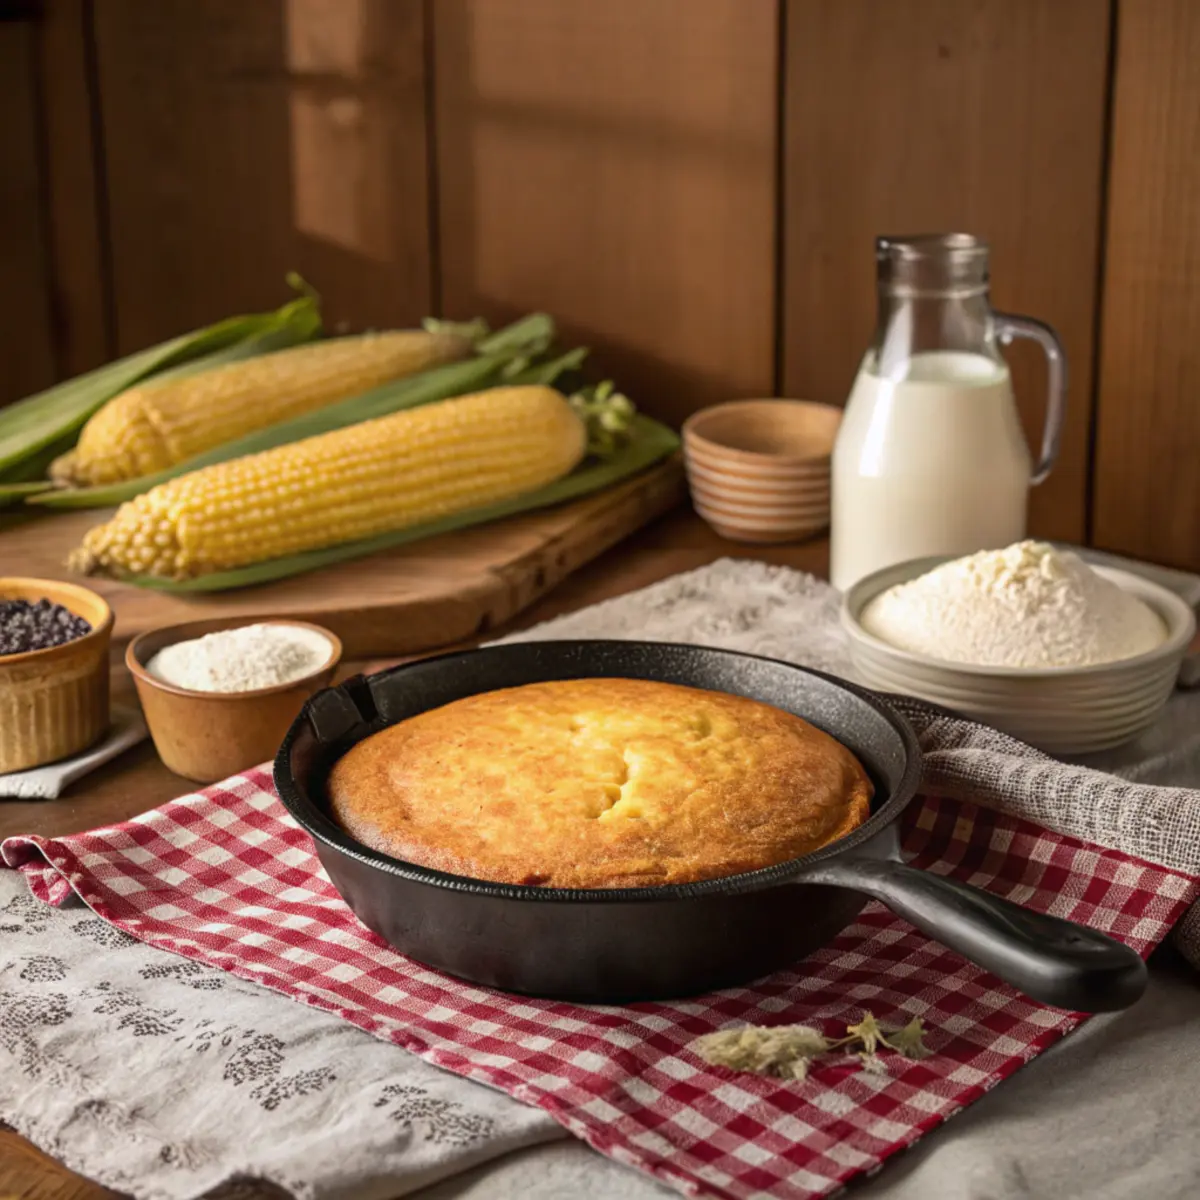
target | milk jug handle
[{"x": 1008, "y": 327}]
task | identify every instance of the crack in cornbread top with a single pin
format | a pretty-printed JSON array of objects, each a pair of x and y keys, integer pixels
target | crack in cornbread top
[{"x": 594, "y": 783}]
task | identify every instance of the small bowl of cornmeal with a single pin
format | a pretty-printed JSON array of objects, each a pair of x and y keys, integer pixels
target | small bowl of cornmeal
[
  {"x": 219, "y": 695},
  {"x": 1030, "y": 639}
]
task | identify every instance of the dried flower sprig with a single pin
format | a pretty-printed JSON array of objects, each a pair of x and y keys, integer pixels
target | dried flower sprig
[{"x": 787, "y": 1051}]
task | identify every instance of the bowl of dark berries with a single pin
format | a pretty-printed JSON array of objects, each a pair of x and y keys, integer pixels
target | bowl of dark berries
[{"x": 53, "y": 671}]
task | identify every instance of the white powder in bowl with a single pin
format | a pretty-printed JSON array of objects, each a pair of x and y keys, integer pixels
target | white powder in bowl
[
  {"x": 242, "y": 660},
  {"x": 1028, "y": 605}
]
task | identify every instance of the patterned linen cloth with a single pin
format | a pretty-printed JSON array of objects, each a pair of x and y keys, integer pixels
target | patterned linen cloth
[{"x": 301, "y": 1118}]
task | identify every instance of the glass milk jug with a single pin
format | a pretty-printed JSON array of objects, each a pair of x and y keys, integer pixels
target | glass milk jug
[{"x": 930, "y": 458}]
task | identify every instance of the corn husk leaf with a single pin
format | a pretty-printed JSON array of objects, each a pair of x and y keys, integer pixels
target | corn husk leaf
[
  {"x": 27, "y": 478},
  {"x": 16, "y": 493},
  {"x": 33, "y": 468},
  {"x": 427, "y": 387},
  {"x": 532, "y": 334},
  {"x": 284, "y": 335},
  {"x": 648, "y": 442},
  {"x": 548, "y": 373},
  {"x": 30, "y": 425}
]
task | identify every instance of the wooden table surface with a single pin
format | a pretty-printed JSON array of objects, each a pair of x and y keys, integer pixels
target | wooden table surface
[{"x": 137, "y": 780}]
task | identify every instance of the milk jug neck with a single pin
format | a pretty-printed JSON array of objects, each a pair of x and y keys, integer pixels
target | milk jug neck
[{"x": 933, "y": 296}]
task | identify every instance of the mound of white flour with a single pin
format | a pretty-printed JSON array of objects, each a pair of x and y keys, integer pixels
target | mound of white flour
[
  {"x": 1028, "y": 605},
  {"x": 242, "y": 659}
]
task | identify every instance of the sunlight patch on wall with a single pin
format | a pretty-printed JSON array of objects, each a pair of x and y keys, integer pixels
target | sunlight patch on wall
[{"x": 338, "y": 128}]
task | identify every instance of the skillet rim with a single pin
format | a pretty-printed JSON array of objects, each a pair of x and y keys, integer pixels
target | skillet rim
[{"x": 321, "y": 828}]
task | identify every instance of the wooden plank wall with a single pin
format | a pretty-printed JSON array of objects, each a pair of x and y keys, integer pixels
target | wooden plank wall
[
  {"x": 27, "y": 361},
  {"x": 615, "y": 164},
  {"x": 691, "y": 186},
  {"x": 75, "y": 201},
  {"x": 1147, "y": 481},
  {"x": 246, "y": 140}
]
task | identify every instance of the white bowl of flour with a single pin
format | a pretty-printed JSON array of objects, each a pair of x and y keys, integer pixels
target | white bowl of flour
[{"x": 1030, "y": 639}]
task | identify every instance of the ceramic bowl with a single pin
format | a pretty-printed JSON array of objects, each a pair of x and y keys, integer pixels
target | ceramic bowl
[
  {"x": 1061, "y": 710},
  {"x": 758, "y": 470},
  {"x": 208, "y": 736},
  {"x": 54, "y": 702}
]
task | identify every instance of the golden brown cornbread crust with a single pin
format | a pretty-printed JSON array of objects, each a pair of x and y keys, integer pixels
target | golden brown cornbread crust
[{"x": 594, "y": 783}]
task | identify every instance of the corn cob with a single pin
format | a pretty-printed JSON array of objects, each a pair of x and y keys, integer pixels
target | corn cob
[
  {"x": 153, "y": 426},
  {"x": 375, "y": 477},
  {"x": 56, "y": 415}
]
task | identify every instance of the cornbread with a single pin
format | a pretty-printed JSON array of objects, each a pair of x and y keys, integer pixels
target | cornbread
[{"x": 599, "y": 783}]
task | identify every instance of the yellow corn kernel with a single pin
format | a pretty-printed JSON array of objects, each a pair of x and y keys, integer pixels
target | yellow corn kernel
[
  {"x": 156, "y": 425},
  {"x": 367, "y": 479}
]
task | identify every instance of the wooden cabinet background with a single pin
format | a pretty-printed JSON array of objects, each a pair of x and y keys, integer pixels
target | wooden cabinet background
[{"x": 692, "y": 187}]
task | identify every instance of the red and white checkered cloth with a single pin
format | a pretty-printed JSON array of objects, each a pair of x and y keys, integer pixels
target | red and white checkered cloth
[{"x": 226, "y": 878}]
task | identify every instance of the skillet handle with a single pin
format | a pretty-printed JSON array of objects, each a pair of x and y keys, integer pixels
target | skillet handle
[{"x": 1051, "y": 960}]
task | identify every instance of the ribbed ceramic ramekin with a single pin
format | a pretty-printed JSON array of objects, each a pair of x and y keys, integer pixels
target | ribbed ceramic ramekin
[
  {"x": 1062, "y": 710},
  {"x": 54, "y": 702},
  {"x": 758, "y": 470}
]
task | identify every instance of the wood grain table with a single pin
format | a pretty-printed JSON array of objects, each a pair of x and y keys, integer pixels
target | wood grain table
[{"x": 138, "y": 781}]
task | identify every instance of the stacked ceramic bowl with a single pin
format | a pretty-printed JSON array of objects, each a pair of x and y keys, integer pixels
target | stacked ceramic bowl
[
  {"x": 759, "y": 469},
  {"x": 1062, "y": 710}
]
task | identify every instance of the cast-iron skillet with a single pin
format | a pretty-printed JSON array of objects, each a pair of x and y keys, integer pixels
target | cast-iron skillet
[{"x": 608, "y": 946}]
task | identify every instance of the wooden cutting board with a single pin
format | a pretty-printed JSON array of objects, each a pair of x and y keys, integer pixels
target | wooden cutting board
[{"x": 417, "y": 597}]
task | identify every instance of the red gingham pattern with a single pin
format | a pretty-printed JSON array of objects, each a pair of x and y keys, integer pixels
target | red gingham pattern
[{"x": 225, "y": 877}]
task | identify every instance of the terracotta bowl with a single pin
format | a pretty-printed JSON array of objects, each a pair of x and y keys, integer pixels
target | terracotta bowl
[
  {"x": 758, "y": 470},
  {"x": 54, "y": 702},
  {"x": 208, "y": 736}
]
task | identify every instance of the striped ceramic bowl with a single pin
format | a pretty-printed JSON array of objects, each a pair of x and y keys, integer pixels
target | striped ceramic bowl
[
  {"x": 758, "y": 470},
  {"x": 1061, "y": 710}
]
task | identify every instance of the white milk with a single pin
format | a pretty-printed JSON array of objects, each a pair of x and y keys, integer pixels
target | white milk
[{"x": 931, "y": 462}]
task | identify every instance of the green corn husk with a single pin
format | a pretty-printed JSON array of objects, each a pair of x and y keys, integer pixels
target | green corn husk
[
  {"x": 52, "y": 416},
  {"x": 647, "y": 442},
  {"x": 301, "y": 326},
  {"x": 16, "y": 493},
  {"x": 532, "y": 335},
  {"x": 292, "y": 328},
  {"x": 27, "y": 478},
  {"x": 496, "y": 354},
  {"x": 548, "y": 373},
  {"x": 33, "y": 468}
]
